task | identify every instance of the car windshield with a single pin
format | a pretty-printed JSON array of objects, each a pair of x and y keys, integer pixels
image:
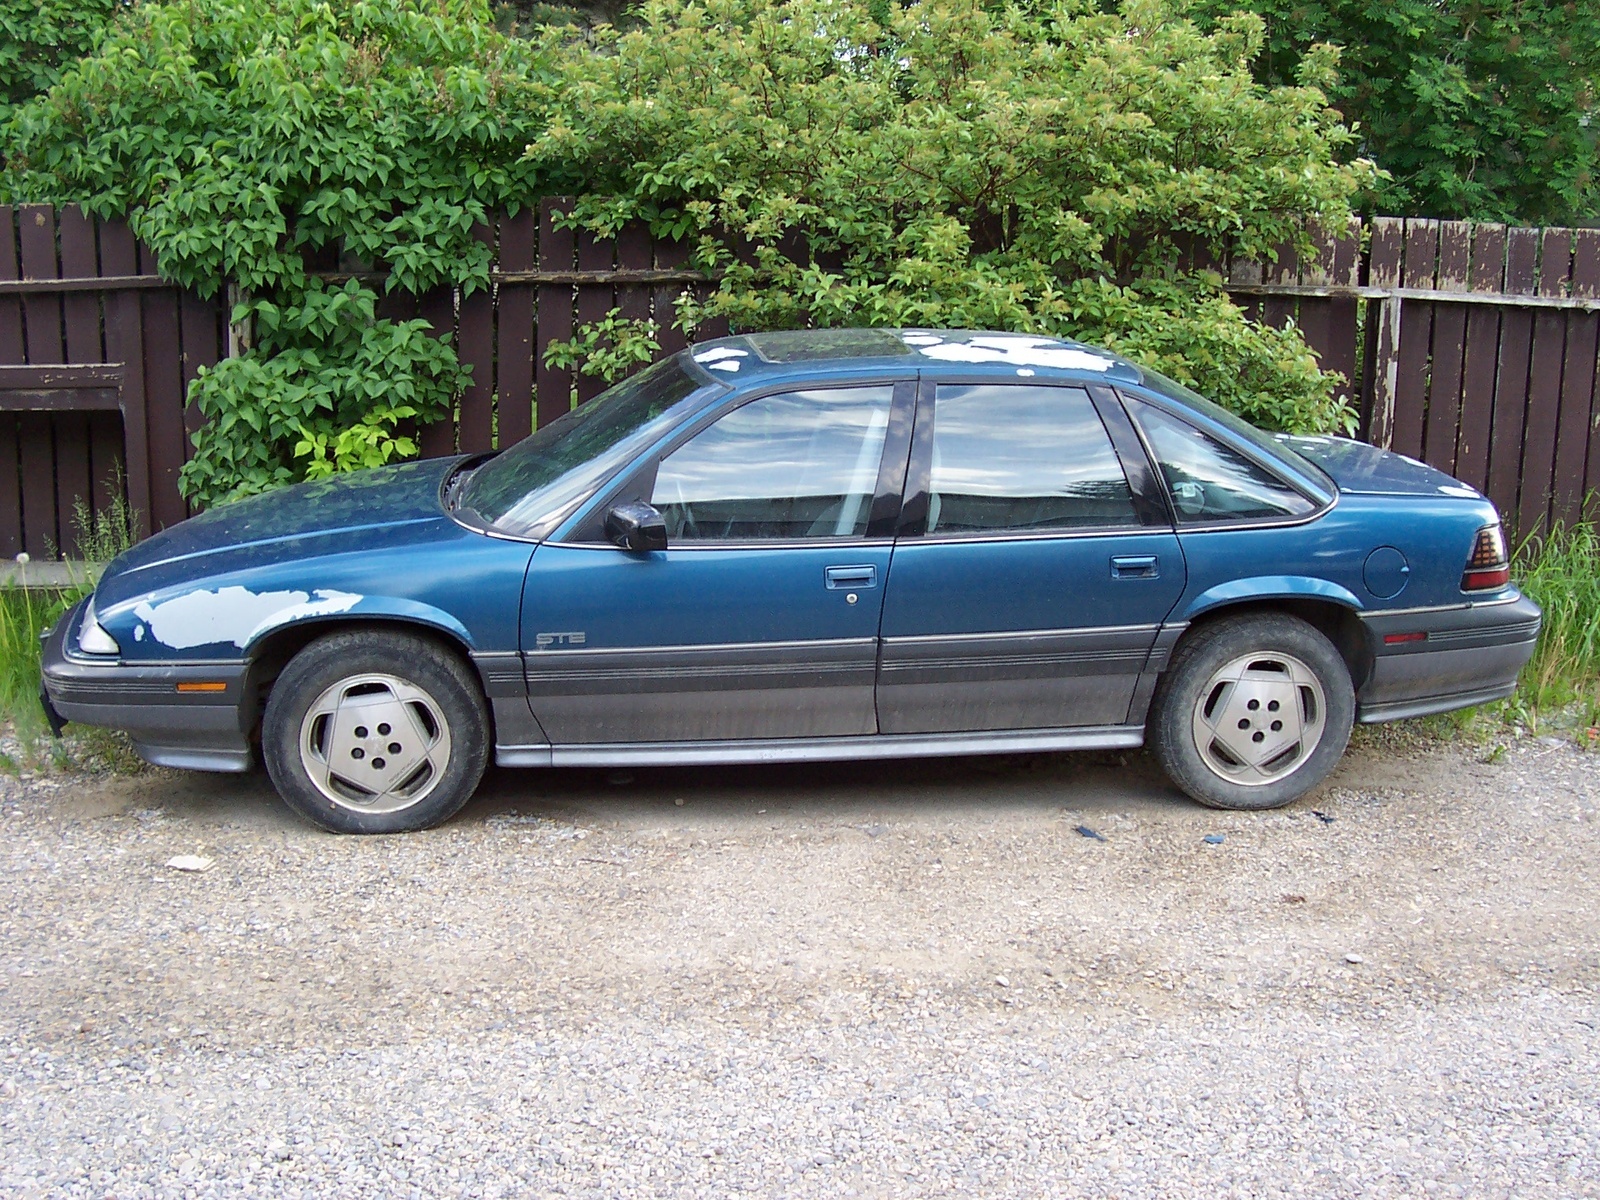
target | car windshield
[
  {"x": 521, "y": 490},
  {"x": 1268, "y": 444}
]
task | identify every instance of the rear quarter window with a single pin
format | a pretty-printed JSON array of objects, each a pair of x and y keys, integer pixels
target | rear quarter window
[{"x": 1209, "y": 481}]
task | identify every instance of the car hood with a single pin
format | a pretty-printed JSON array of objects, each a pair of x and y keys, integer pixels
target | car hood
[
  {"x": 1358, "y": 467},
  {"x": 310, "y": 519}
]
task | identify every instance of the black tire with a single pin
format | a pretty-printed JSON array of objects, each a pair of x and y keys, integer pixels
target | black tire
[
  {"x": 437, "y": 710},
  {"x": 1207, "y": 708}
]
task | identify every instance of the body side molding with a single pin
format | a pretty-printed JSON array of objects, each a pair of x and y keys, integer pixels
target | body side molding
[{"x": 824, "y": 749}]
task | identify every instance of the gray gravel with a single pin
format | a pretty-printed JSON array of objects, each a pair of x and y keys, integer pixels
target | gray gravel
[{"x": 887, "y": 980}]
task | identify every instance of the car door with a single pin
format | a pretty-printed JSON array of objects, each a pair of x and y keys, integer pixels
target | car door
[
  {"x": 1031, "y": 579},
  {"x": 760, "y": 618}
]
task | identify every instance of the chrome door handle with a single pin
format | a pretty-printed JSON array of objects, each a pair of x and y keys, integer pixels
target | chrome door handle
[
  {"x": 1135, "y": 566},
  {"x": 837, "y": 579}
]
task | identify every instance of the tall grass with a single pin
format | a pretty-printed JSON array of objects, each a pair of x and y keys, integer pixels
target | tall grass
[
  {"x": 24, "y": 615},
  {"x": 1562, "y": 572}
]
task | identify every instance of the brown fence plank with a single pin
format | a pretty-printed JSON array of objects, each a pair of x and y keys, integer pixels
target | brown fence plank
[
  {"x": 1314, "y": 316},
  {"x": 519, "y": 240},
  {"x": 1278, "y": 311},
  {"x": 557, "y": 252},
  {"x": 1383, "y": 332},
  {"x": 475, "y": 343},
  {"x": 594, "y": 300},
  {"x": 1511, "y": 385},
  {"x": 1449, "y": 346},
  {"x": 1487, "y": 274},
  {"x": 1544, "y": 384},
  {"x": 634, "y": 254},
  {"x": 80, "y": 311},
  {"x": 670, "y": 256},
  {"x": 41, "y": 520},
  {"x": 35, "y": 455},
  {"x": 1416, "y": 337},
  {"x": 11, "y": 351},
  {"x": 163, "y": 387},
  {"x": 1344, "y": 314},
  {"x": 437, "y": 308},
  {"x": 119, "y": 255},
  {"x": 1577, "y": 387}
]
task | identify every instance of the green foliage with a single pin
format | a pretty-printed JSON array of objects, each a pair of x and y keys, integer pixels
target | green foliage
[
  {"x": 1562, "y": 572},
  {"x": 995, "y": 165},
  {"x": 38, "y": 38},
  {"x": 1488, "y": 109},
  {"x": 103, "y": 535},
  {"x": 607, "y": 349},
  {"x": 249, "y": 141}
]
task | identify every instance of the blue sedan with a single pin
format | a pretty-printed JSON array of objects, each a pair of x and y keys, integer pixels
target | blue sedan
[{"x": 814, "y": 545}]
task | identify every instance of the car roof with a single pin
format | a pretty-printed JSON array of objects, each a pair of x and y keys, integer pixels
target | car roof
[{"x": 803, "y": 353}]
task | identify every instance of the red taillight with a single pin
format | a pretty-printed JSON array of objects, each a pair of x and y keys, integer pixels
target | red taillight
[{"x": 1489, "y": 567}]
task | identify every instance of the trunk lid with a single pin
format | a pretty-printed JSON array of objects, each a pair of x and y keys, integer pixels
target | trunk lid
[{"x": 1359, "y": 468}]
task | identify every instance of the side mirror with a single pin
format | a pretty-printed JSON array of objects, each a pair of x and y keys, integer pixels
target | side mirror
[{"x": 637, "y": 526}]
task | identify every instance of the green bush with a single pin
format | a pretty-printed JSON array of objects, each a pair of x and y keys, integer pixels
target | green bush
[
  {"x": 1488, "y": 110},
  {"x": 244, "y": 139},
  {"x": 40, "y": 38},
  {"x": 1000, "y": 165},
  {"x": 1007, "y": 165}
]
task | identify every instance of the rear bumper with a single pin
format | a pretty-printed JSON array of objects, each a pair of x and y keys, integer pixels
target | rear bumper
[
  {"x": 205, "y": 731},
  {"x": 1466, "y": 655}
]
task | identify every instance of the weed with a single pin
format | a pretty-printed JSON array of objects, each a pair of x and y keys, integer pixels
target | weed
[{"x": 1562, "y": 572}]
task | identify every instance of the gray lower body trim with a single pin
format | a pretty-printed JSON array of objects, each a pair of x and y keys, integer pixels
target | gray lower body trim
[
  {"x": 1427, "y": 706},
  {"x": 1005, "y": 681},
  {"x": 1470, "y": 655},
  {"x": 190, "y": 758},
  {"x": 837, "y": 749},
  {"x": 205, "y": 731},
  {"x": 506, "y": 687},
  {"x": 820, "y": 688}
]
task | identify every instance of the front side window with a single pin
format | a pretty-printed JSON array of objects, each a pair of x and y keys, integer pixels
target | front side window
[
  {"x": 1010, "y": 458},
  {"x": 791, "y": 466},
  {"x": 545, "y": 472},
  {"x": 1209, "y": 481}
]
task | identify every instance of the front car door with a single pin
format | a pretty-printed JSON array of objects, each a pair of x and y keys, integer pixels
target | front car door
[
  {"x": 760, "y": 619},
  {"x": 1031, "y": 579}
]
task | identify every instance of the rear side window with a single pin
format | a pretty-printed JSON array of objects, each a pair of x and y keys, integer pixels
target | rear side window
[
  {"x": 1013, "y": 458},
  {"x": 1209, "y": 481}
]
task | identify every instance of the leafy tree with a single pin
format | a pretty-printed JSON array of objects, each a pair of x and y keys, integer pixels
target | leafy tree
[
  {"x": 246, "y": 140},
  {"x": 1488, "y": 109},
  {"x": 39, "y": 38},
  {"x": 965, "y": 164}
]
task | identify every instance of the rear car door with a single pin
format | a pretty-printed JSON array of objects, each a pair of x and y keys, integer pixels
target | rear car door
[
  {"x": 760, "y": 619},
  {"x": 1031, "y": 577}
]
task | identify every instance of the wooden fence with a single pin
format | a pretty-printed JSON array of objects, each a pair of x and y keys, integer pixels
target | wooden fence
[{"x": 1471, "y": 347}]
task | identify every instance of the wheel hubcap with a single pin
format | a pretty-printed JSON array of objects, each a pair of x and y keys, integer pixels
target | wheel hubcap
[
  {"x": 1259, "y": 718},
  {"x": 375, "y": 743}
]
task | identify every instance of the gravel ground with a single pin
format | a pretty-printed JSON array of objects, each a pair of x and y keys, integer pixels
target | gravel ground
[{"x": 902, "y": 979}]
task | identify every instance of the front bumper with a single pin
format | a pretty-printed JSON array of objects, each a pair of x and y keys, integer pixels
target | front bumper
[
  {"x": 1470, "y": 654},
  {"x": 203, "y": 731}
]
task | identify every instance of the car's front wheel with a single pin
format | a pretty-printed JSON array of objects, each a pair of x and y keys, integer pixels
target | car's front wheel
[
  {"x": 1253, "y": 712},
  {"x": 375, "y": 732}
]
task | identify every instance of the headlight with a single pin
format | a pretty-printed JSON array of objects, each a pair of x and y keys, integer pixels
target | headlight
[{"x": 92, "y": 639}]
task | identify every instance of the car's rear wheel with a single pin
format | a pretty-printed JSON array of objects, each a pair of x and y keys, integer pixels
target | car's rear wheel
[
  {"x": 1253, "y": 712},
  {"x": 375, "y": 732}
]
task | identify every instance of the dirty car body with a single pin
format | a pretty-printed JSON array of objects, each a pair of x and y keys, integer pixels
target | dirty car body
[{"x": 827, "y": 545}]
